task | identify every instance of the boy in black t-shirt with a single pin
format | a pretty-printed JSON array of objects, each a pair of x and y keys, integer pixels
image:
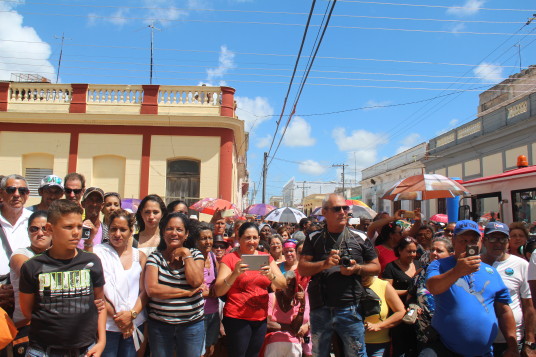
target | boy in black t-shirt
[{"x": 58, "y": 289}]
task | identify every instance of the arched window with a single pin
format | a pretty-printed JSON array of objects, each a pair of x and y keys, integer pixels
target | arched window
[{"x": 182, "y": 180}]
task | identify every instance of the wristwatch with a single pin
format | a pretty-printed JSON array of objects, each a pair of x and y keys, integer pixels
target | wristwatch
[
  {"x": 134, "y": 314},
  {"x": 530, "y": 345}
]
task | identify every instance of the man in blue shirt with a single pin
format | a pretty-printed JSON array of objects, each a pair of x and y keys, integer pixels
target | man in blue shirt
[{"x": 470, "y": 297}]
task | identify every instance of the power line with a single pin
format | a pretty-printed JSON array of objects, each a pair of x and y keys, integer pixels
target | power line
[
  {"x": 430, "y": 6},
  {"x": 258, "y": 12},
  {"x": 265, "y": 23}
]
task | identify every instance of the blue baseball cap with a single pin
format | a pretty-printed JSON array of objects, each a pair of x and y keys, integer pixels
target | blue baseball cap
[
  {"x": 465, "y": 226},
  {"x": 496, "y": 227}
]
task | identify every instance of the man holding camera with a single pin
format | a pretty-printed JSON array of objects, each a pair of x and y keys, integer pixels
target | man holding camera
[
  {"x": 470, "y": 297},
  {"x": 336, "y": 258}
]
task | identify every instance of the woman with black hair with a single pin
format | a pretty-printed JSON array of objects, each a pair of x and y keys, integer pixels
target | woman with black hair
[
  {"x": 389, "y": 237},
  {"x": 173, "y": 279},
  {"x": 150, "y": 212},
  {"x": 246, "y": 308}
]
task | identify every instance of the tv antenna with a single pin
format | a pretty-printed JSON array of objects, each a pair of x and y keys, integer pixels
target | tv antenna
[
  {"x": 61, "y": 54},
  {"x": 152, "y": 27}
]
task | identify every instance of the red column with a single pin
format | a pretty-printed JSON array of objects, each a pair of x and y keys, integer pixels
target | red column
[
  {"x": 227, "y": 102},
  {"x": 78, "y": 98},
  {"x": 150, "y": 99},
  {"x": 73, "y": 151},
  {"x": 4, "y": 96},
  {"x": 226, "y": 164},
  {"x": 145, "y": 165}
]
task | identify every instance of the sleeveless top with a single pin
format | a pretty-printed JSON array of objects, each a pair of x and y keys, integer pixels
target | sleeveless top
[
  {"x": 15, "y": 277},
  {"x": 378, "y": 286},
  {"x": 122, "y": 286}
]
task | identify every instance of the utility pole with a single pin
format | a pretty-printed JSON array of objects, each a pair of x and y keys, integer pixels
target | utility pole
[
  {"x": 253, "y": 193},
  {"x": 61, "y": 55},
  {"x": 152, "y": 27},
  {"x": 264, "y": 173},
  {"x": 303, "y": 187},
  {"x": 343, "y": 167},
  {"x": 519, "y": 54}
]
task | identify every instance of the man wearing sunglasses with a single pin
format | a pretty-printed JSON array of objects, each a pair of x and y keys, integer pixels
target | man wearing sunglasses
[
  {"x": 14, "y": 224},
  {"x": 336, "y": 258},
  {"x": 513, "y": 271},
  {"x": 74, "y": 187}
]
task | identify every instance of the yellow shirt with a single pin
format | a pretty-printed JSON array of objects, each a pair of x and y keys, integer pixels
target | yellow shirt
[{"x": 378, "y": 286}]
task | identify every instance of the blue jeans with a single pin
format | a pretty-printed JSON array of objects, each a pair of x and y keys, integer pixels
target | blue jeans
[
  {"x": 37, "y": 351},
  {"x": 348, "y": 324},
  {"x": 185, "y": 339},
  {"x": 117, "y": 346},
  {"x": 378, "y": 349}
]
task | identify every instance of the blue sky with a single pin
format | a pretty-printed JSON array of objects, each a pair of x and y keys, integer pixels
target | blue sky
[{"x": 369, "y": 95}]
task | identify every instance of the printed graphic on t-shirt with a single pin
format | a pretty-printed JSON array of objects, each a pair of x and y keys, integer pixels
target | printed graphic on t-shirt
[{"x": 68, "y": 292}]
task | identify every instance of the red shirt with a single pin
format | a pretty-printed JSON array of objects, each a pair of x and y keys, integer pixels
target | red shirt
[
  {"x": 247, "y": 299},
  {"x": 385, "y": 256}
]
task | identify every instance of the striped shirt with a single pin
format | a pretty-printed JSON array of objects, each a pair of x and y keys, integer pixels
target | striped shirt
[{"x": 177, "y": 310}]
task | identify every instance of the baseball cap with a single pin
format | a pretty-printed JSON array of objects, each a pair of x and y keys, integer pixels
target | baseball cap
[
  {"x": 466, "y": 225},
  {"x": 91, "y": 190},
  {"x": 51, "y": 180},
  {"x": 497, "y": 227}
]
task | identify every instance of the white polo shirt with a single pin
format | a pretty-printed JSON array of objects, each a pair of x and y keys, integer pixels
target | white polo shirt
[{"x": 17, "y": 236}]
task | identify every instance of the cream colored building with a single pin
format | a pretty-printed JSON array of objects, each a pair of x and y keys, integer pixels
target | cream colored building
[{"x": 177, "y": 142}]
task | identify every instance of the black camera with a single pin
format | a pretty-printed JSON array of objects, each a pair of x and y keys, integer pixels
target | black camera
[{"x": 346, "y": 259}]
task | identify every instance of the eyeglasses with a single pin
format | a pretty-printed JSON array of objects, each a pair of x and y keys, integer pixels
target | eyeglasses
[
  {"x": 76, "y": 191},
  {"x": 493, "y": 239},
  {"x": 35, "y": 229},
  {"x": 12, "y": 189},
  {"x": 338, "y": 208}
]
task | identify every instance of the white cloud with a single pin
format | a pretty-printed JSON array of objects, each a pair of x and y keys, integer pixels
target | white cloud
[
  {"x": 24, "y": 42},
  {"x": 253, "y": 111},
  {"x": 374, "y": 103},
  {"x": 162, "y": 11},
  {"x": 225, "y": 63},
  {"x": 408, "y": 142},
  {"x": 312, "y": 167},
  {"x": 489, "y": 72},
  {"x": 361, "y": 147},
  {"x": 118, "y": 17},
  {"x": 264, "y": 141},
  {"x": 298, "y": 133},
  {"x": 460, "y": 26},
  {"x": 452, "y": 124},
  {"x": 470, "y": 7},
  {"x": 357, "y": 140}
]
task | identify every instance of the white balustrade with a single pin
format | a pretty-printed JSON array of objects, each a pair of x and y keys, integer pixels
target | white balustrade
[
  {"x": 193, "y": 95},
  {"x": 114, "y": 94},
  {"x": 39, "y": 93}
]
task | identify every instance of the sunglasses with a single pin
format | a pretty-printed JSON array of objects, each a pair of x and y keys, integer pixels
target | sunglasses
[
  {"x": 338, "y": 208},
  {"x": 447, "y": 231},
  {"x": 12, "y": 189},
  {"x": 35, "y": 229},
  {"x": 218, "y": 246},
  {"x": 76, "y": 191},
  {"x": 495, "y": 239}
]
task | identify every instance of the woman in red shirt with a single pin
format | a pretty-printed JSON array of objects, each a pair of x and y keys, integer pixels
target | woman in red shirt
[{"x": 246, "y": 308}]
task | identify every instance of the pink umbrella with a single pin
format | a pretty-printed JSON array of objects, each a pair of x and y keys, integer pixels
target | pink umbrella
[
  {"x": 440, "y": 218},
  {"x": 210, "y": 205},
  {"x": 425, "y": 187},
  {"x": 259, "y": 209}
]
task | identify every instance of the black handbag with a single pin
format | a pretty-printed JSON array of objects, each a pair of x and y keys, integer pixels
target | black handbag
[{"x": 370, "y": 303}]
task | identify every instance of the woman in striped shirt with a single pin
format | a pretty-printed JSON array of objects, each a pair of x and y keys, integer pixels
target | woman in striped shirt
[{"x": 173, "y": 279}]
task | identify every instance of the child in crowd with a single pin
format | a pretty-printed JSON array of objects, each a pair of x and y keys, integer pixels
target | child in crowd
[{"x": 58, "y": 289}]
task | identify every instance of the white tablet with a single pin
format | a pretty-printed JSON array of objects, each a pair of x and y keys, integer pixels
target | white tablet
[{"x": 255, "y": 262}]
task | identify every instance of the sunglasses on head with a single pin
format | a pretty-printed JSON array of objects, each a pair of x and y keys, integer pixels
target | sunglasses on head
[
  {"x": 35, "y": 229},
  {"x": 12, "y": 189},
  {"x": 76, "y": 191},
  {"x": 338, "y": 208},
  {"x": 492, "y": 239}
]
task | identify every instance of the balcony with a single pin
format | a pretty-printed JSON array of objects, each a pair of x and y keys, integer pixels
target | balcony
[{"x": 116, "y": 99}]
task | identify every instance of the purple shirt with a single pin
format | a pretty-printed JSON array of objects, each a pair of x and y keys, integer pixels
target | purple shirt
[
  {"x": 211, "y": 303},
  {"x": 96, "y": 240}
]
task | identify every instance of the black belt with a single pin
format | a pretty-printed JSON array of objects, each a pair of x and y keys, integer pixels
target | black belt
[{"x": 63, "y": 351}]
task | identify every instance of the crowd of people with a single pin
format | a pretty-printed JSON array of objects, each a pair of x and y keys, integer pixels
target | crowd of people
[{"x": 81, "y": 276}]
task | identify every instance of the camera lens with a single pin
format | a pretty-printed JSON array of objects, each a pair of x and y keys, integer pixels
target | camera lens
[{"x": 345, "y": 262}]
